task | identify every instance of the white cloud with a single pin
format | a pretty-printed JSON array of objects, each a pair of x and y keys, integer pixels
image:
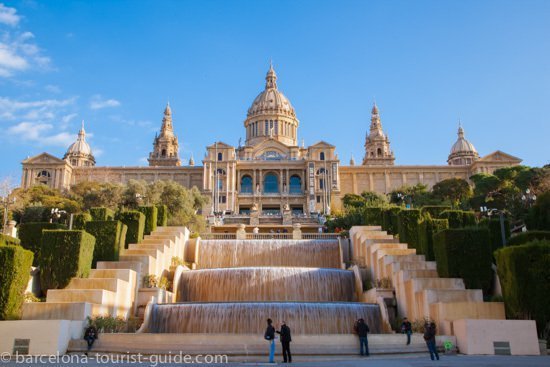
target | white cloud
[
  {"x": 52, "y": 88},
  {"x": 97, "y": 102},
  {"x": 37, "y": 132},
  {"x": 8, "y": 16},
  {"x": 46, "y": 109},
  {"x": 97, "y": 152}
]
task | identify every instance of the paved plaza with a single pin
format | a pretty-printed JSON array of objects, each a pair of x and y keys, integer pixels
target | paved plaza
[{"x": 377, "y": 361}]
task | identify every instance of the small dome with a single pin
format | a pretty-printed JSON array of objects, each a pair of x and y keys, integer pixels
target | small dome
[
  {"x": 80, "y": 146},
  {"x": 462, "y": 145},
  {"x": 271, "y": 100}
]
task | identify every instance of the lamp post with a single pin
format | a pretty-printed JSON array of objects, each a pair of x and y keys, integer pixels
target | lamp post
[
  {"x": 6, "y": 202},
  {"x": 56, "y": 215},
  {"x": 491, "y": 212},
  {"x": 528, "y": 198}
]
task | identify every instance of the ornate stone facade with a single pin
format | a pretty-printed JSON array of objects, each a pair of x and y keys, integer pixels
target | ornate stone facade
[{"x": 270, "y": 174}]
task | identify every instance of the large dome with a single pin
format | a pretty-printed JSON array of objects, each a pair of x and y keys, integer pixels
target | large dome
[
  {"x": 462, "y": 145},
  {"x": 79, "y": 153},
  {"x": 271, "y": 100}
]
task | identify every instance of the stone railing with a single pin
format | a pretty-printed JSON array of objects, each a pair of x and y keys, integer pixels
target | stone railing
[
  {"x": 268, "y": 236},
  {"x": 218, "y": 236},
  {"x": 320, "y": 236}
]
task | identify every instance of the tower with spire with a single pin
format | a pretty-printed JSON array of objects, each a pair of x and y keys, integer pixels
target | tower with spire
[
  {"x": 377, "y": 144},
  {"x": 165, "y": 145},
  {"x": 79, "y": 153}
]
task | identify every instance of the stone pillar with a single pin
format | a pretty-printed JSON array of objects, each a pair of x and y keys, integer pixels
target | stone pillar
[
  {"x": 10, "y": 229},
  {"x": 254, "y": 217},
  {"x": 241, "y": 232},
  {"x": 296, "y": 231},
  {"x": 287, "y": 215}
]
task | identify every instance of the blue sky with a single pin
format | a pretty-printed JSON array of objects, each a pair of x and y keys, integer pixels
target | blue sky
[{"x": 427, "y": 64}]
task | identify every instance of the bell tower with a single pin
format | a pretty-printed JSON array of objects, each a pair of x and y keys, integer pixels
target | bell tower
[
  {"x": 165, "y": 146},
  {"x": 377, "y": 144}
]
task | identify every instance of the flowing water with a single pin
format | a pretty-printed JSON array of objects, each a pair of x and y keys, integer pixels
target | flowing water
[
  {"x": 267, "y": 284},
  {"x": 239, "y": 253},
  {"x": 250, "y": 317}
]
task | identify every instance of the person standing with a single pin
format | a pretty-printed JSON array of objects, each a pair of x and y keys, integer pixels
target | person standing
[
  {"x": 90, "y": 335},
  {"x": 270, "y": 337},
  {"x": 285, "y": 342},
  {"x": 362, "y": 329},
  {"x": 406, "y": 328},
  {"x": 429, "y": 337}
]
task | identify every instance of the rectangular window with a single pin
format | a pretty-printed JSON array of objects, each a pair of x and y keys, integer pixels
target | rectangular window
[
  {"x": 266, "y": 131},
  {"x": 222, "y": 199},
  {"x": 318, "y": 198},
  {"x": 321, "y": 183},
  {"x": 276, "y": 127}
]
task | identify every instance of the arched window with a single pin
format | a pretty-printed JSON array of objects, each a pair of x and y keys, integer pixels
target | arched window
[
  {"x": 246, "y": 184},
  {"x": 379, "y": 152},
  {"x": 220, "y": 156},
  {"x": 271, "y": 183},
  {"x": 322, "y": 156},
  {"x": 43, "y": 177},
  {"x": 163, "y": 153},
  {"x": 295, "y": 184}
]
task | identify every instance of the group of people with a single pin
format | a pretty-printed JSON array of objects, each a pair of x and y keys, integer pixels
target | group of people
[{"x": 285, "y": 338}]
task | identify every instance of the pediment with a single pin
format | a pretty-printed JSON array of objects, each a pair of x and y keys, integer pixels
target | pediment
[
  {"x": 499, "y": 156},
  {"x": 44, "y": 158},
  {"x": 220, "y": 145},
  {"x": 322, "y": 144},
  {"x": 270, "y": 148}
]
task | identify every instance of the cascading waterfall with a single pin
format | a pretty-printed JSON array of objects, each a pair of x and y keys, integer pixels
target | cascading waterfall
[
  {"x": 274, "y": 252},
  {"x": 250, "y": 317},
  {"x": 267, "y": 284}
]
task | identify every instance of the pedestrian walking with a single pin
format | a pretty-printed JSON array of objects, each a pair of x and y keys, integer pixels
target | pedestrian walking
[
  {"x": 406, "y": 328},
  {"x": 270, "y": 337},
  {"x": 285, "y": 342},
  {"x": 362, "y": 329},
  {"x": 429, "y": 337}
]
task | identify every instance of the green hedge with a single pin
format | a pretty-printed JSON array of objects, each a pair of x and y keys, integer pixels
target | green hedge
[
  {"x": 80, "y": 220},
  {"x": 465, "y": 253},
  {"x": 65, "y": 255},
  {"x": 9, "y": 241},
  {"x": 390, "y": 219},
  {"x": 30, "y": 235},
  {"x": 529, "y": 236},
  {"x": 135, "y": 221},
  {"x": 101, "y": 213},
  {"x": 434, "y": 210},
  {"x": 408, "y": 222},
  {"x": 495, "y": 232},
  {"x": 373, "y": 216},
  {"x": 426, "y": 230},
  {"x": 162, "y": 215},
  {"x": 524, "y": 273},
  {"x": 14, "y": 276},
  {"x": 34, "y": 214},
  {"x": 538, "y": 217},
  {"x": 459, "y": 218},
  {"x": 150, "y": 213},
  {"x": 110, "y": 238}
]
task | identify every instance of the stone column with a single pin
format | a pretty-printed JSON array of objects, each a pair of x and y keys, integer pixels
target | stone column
[{"x": 241, "y": 232}]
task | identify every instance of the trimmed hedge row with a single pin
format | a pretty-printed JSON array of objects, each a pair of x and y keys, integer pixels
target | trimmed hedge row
[
  {"x": 495, "y": 232},
  {"x": 390, "y": 219},
  {"x": 465, "y": 253},
  {"x": 373, "y": 216},
  {"x": 80, "y": 220},
  {"x": 14, "y": 276},
  {"x": 30, "y": 235},
  {"x": 135, "y": 221},
  {"x": 150, "y": 213},
  {"x": 162, "y": 215},
  {"x": 65, "y": 255},
  {"x": 408, "y": 222},
  {"x": 426, "y": 229},
  {"x": 528, "y": 236},
  {"x": 9, "y": 240},
  {"x": 34, "y": 214},
  {"x": 459, "y": 218},
  {"x": 110, "y": 238},
  {"x": 434, "y": 210},
  {"x": 524, "y": 273},
  {"x": 100, "y": 213}
]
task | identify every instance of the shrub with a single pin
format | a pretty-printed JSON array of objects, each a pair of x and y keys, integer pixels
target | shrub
[
  {"x": 426, "y": 230},
  {"x": 495, "y": 232},
  {"x": 30, "y": 235},
  {"x": 539, "y": 214},
  {"x": 65, "y": 255},
  {"x": 101, "y": 213},
  {"x": 14, "y": 276},
  {"x": 524, "y": 273},
  {"x": 389, "y": 219},
  {"x": 34, "y": 214},
  {"x": 9, "y": 240},
  {"x": 408, "y": 227},
  {"x": 528, "y": 236},
  {"x": 464, "y": 253},
  {"x": 459, "y": 218},
  {"x": 150, "y": 213},
  {"x": 135, "y": 221},
  {"x": 80, "y": 220},
  {"x": 373, "y": 216},
  {"x": 434, "y": 210},
  {"x": 110, "y": 237},
  {"x": 162, "y": 215}
]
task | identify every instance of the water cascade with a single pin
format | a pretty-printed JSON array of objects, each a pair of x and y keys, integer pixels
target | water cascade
[
  {"x": 267, "y": 284},
  {"x": 238, "y": 253},
  {"x": 249, "y": 317}
]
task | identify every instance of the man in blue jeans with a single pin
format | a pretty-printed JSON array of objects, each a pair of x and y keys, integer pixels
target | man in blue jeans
[
  {"x": 270, "y": 336},
  {"x": 429, "y": 337},
  {"x": 362, "y": 329}
]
